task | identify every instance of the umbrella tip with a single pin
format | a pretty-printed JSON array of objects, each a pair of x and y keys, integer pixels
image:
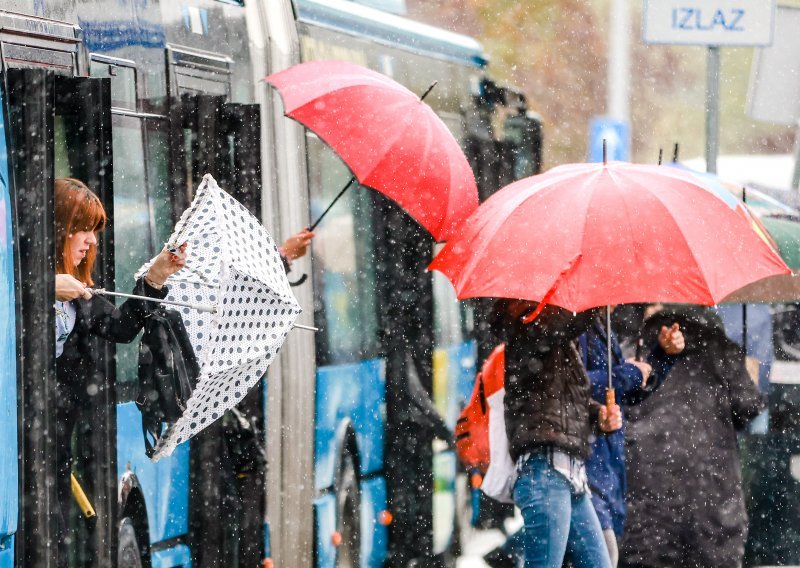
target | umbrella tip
[
  {"x": 660, "y": 155},
  {"x": 425, "y": 94},
  {"x": 605, "y": 153}
]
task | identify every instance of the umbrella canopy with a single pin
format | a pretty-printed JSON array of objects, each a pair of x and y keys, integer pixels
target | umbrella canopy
[
  {"x": 760, "y": 202},
  {"x": 391, "y": 140},
  {"x": 783, "y": 287},
  {"x": 232, "y": 264},
  {"x": 588, "y": 235},
  {"x": 774, "y": 222}
]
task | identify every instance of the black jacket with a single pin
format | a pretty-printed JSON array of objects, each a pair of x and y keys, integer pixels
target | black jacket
[
  {"x": 98, "y": 317},
  {"x": 76, "y": 371},
  {"x": 685, "y": 501},
  {"x": 548, "y": 400}
]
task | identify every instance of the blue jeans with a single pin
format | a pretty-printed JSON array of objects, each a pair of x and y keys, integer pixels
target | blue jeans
[{"x": 558, "y": 521}]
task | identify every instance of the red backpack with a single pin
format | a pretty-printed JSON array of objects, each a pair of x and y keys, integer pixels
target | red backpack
[{"x": 472, "y": 427}]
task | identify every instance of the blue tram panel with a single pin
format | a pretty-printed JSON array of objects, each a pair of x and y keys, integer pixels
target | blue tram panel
[
  {"x": 164, "y": 485},
  {"x": 9, "y": 499},
  {"x": 350, "y": 396}
]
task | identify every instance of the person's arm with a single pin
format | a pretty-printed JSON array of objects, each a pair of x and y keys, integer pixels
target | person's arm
[
  {"x": 626, "y": 378},
  {"x": 122, "y": 324},
  {"x": 668, "y": 347}
]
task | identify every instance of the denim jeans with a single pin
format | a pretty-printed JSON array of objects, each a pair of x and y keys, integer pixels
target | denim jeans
[{"x": 559, "y": 521}]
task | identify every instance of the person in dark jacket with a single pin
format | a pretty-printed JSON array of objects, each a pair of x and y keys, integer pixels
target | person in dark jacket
[
  {"x": 633, "y": 382},
  {"x": 81, "y": 318},
  {"x": 550, "y": 416},
  {"x": 685, "y": 501}
]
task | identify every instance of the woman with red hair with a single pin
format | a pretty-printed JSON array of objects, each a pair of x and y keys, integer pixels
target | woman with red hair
[{"x": 82, "y": 317}]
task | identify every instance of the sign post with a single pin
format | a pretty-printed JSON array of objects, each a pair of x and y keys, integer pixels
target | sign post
[{"x": 713, "y": 23}]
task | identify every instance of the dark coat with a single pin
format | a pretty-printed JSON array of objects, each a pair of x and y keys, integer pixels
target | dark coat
[
  {"x": 606, "y": 465},
  {"x": 76, "y": 368},
  {"x": 685, "y": 502},
  {"x": 548, "y": 394}
]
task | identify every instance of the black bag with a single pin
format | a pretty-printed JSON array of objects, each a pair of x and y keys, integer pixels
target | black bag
[{"x": 168, "y": 373}]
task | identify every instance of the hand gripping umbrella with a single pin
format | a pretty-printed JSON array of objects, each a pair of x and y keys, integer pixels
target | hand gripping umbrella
[
  {"x": 391, "y": 140},
  {"x": 587, "y": 235},
  {"x": 233, "y": 265}
]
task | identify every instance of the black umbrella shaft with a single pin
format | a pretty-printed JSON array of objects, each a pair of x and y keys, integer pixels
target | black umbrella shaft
[{"x": 335, "y": 199}]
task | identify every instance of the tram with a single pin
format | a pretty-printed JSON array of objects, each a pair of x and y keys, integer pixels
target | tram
[{"x": 139, "y": 99}]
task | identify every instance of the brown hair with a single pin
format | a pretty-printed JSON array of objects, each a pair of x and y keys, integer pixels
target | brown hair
[{"x": 77, "y": 209}]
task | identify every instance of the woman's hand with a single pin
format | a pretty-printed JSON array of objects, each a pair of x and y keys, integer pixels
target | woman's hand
[
  {"x": 69, "y": 288},
  {"x": 610, "y": 419},
  {"x": 296, "y": 246},
  {"x": 165, "y": 265}
]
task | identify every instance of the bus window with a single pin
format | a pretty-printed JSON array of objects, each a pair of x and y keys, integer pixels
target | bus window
[
  {"x": 133, "y": 242},
  {"x": 158, "y": 181},
  {"x": 344, "y": 262},
  {"x": 123, "y": 81}
]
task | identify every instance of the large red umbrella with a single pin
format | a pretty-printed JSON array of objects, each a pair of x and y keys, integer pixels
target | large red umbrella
[
  {"x": 588, "y": 235},
  {"x": 391, "y": 140}
]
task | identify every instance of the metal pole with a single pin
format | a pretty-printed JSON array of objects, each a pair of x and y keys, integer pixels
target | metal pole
[
  {"x": 712, "y": 109},
  {"x": 619, "y": 60},
  {"x": 198, "y": 307},
  {"x": 796, "y": 174}
]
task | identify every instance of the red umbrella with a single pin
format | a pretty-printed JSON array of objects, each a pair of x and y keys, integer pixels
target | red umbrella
[
  {"x": 588, "y": 235},
  {"x": 391, "y": 140}
]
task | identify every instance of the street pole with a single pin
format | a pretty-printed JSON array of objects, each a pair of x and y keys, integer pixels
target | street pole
[
  {"x": 619, "y": 61},
  {"x": 796, "y": 174},
  {"x": 712, "y": 108}
]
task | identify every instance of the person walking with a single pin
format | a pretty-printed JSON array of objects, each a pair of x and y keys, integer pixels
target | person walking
[
  {"x": 633, "y": 382},
  {"x": 685, "y": 501},
  {"x": 82, "y": 317},
  {"x": 550, "y": 416}
]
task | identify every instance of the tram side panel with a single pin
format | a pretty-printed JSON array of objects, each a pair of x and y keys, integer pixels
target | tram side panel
[{"x": 9, "y": 501}]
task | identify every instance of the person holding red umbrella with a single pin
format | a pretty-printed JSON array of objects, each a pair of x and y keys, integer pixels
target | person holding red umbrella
[
  {"x": 550, "y": 417},
  {"x": 633, "y": 382}
]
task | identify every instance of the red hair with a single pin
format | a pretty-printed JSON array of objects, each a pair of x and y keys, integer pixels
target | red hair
[{"x": 77, "y": 209}]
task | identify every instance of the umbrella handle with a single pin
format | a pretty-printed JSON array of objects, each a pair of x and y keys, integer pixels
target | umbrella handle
[
  {"x": 610, "y": 398},
  {"x": 299, "y": 281}
]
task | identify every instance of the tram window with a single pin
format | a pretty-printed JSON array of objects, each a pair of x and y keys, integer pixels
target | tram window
[
  {"x": 158, "y": 181},
  {"x": 123, "y": 83},
  {"x": 344, "y": 262},
  {"x": 133, "y": 244}
]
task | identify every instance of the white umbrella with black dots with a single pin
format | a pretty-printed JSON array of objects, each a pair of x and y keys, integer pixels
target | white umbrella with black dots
[{"x": 232, "y": 266}]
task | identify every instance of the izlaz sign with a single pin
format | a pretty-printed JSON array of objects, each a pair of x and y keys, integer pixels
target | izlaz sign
[{"x": 709, "y": 22}]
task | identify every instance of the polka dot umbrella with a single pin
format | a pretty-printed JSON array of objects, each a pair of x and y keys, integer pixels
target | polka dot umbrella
[{"x": 233, "y": 267}]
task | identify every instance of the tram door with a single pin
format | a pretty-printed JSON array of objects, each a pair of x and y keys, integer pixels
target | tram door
[
  {"x": 210, "y": 135},
  {"x": 59, "y": 126}
]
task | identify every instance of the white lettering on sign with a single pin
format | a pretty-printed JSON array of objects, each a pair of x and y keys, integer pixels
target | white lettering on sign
[{"x": 709, "y": 22}]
